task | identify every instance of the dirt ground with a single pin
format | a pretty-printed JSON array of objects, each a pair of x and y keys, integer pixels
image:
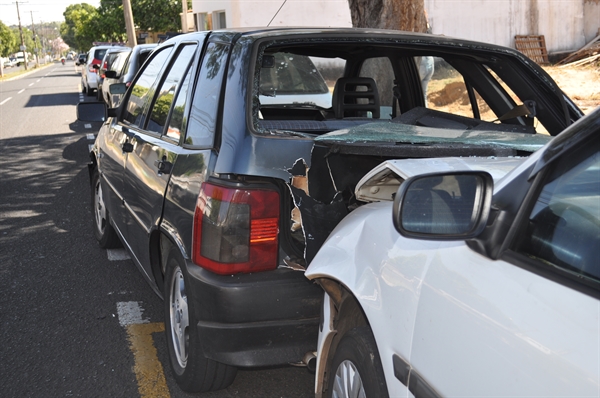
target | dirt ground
[
  {"x": 448, "y": 92},
  {"x": 580, "y": 83}
]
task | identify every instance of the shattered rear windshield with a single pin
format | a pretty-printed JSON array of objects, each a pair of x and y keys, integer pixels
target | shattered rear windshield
[
  {"x": 405, "y": 134},
  {"x": 317, "y": 86}
]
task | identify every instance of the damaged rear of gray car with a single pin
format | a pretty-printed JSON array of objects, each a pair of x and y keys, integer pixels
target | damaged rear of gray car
[{"x": 235, "y": 153}]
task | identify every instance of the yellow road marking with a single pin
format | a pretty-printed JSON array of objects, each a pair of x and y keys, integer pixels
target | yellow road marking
[{"x": 148, "y": 369}]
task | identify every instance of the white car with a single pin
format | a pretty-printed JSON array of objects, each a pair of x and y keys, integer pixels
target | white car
[
  {"x": 89, "y": 72},
  {"x": 464, "y": 287}
]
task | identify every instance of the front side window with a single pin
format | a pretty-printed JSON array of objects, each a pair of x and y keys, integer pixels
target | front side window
[
  {"x": 564, "y": 225},
  {"x": 143, "y": 90}
]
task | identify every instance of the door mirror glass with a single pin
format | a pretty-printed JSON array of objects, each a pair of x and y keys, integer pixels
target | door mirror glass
[
  {"x": 117, "y": 88},
  {"x": 92, "y": 112},
  {"x": 443, "y": 206}
]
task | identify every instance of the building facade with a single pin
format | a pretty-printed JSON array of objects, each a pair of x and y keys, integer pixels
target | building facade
[{"x": 566, "y": 24}]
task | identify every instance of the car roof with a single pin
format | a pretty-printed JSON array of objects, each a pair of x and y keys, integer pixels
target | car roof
[{"x": 348, "y": 33}]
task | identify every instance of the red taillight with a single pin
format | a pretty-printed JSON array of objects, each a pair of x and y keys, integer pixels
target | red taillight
[
  {"x": 92, "y": 70},
  {"x": 236, "y": 229},
  {"x": 127, "y": 84}
]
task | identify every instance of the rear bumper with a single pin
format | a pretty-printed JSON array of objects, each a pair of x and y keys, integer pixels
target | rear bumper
[{"x": 263, "y": 319}]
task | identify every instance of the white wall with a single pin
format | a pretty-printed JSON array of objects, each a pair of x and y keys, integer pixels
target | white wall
[
  {"x": 566, "y": 24},
  {"x": 257, "y": 13},
  {"x": 563, "y": 23}
]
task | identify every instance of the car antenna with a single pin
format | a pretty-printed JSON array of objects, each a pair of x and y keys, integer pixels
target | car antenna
[{"x": 269, "y": 24}]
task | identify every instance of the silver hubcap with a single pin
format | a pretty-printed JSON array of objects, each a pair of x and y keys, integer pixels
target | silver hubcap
[
  {"x": 180, "y": 320},
  {"x": 347, "y": 383},
  {"x": 99, "y": 209}
]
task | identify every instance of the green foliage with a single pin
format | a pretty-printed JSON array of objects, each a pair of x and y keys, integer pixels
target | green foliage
[
  {"x": 7, "y": 40},
  {"x": 85, "y": 24},
  {"x": 110, "y": 25},
  {"x": 157, "y": 15},
  {"x": 78, "y": 30},
  {"x": 27, "y": 40}
]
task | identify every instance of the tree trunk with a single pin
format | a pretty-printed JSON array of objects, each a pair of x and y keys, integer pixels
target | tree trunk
[{"x": 407, "y": 15}]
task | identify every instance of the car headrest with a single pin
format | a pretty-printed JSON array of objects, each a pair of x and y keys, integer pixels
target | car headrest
[{"x": 354, "y": 97}]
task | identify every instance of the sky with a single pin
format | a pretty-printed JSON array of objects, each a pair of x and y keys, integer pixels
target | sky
[{"x": 43, "y": 10}]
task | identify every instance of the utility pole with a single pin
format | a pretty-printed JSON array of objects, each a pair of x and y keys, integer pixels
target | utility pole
[
  {"x": 23, "y": 48},
  {"x": 129, "y": 26},
  {"x": 1, "y": 63},
  {"x": 37, "y": 55},
  {"x": 184, "y": 20}
]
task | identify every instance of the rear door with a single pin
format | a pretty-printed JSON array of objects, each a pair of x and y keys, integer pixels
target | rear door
[{"x": 156, "y": 144}]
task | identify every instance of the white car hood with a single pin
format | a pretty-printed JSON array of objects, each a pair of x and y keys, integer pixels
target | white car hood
[{"x": 383, "y": 181}]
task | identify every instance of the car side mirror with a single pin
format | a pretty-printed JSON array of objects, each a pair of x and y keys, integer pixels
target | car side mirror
[
  {"x": 443, "y": 206},
  {"x": 111, "y": 74},
  {"x": 117, "y": 88},
  {"x": 92, "y": 112}
]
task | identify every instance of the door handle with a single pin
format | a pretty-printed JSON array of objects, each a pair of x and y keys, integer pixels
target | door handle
[
  {"x": 127, "y": 147},
  {"x": 163, "y": 166}
]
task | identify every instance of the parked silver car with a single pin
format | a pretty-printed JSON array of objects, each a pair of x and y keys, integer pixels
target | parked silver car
[{"x": 89, "y": 73}]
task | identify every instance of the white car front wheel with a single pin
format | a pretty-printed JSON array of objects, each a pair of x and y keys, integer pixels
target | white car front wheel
[{"x": 356, "y": 369}]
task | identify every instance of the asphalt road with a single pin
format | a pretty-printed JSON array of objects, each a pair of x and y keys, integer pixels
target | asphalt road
[{"x": 61, "y": 296}]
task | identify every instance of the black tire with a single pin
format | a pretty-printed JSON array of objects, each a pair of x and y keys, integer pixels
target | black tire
[
  {"x": 103, "y": 230},
  {"x": 89, "y": 91},
  {"x": 191, "y": 369},
  {"x": 99, "y": 96},
  {"x": 357, "y": 356},
  {"x": 83, "y": 89}
]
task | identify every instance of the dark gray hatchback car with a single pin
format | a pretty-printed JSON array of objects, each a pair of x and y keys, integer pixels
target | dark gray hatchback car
[{"x": 235, "y": 153}]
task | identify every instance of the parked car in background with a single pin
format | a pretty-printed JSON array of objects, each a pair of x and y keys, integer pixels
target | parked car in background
[
  {"x": 20, "y": 58},
  {"x": 7, "y": 62},
  {"x": 81, "y": 59},
  {"x": 124, "y": 72},
  {"x": 222, "y": 201},
  {"x": 113, "y": 60},
  {"x": 448, "y": 291},
  {"x": 89, "y": 74}
]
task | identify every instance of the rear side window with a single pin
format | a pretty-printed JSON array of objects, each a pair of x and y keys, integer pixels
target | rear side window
[
  {"x": 162, "y": 105},
  {"x": 99, "y": 54},
  {"x": 117, "y": 65},
  {"x": 445, "y": 90},
  {"x": 203, "y": 116},
  {"x": 143, "y": 90}
]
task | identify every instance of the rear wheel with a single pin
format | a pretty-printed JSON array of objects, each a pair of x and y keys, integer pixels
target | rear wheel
[
  {"x": 191, "y": 369},
  {"x": 89, "y": 91},
  {"x": 104, "y": 232},
  {"x": 356, "y": 369}
]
